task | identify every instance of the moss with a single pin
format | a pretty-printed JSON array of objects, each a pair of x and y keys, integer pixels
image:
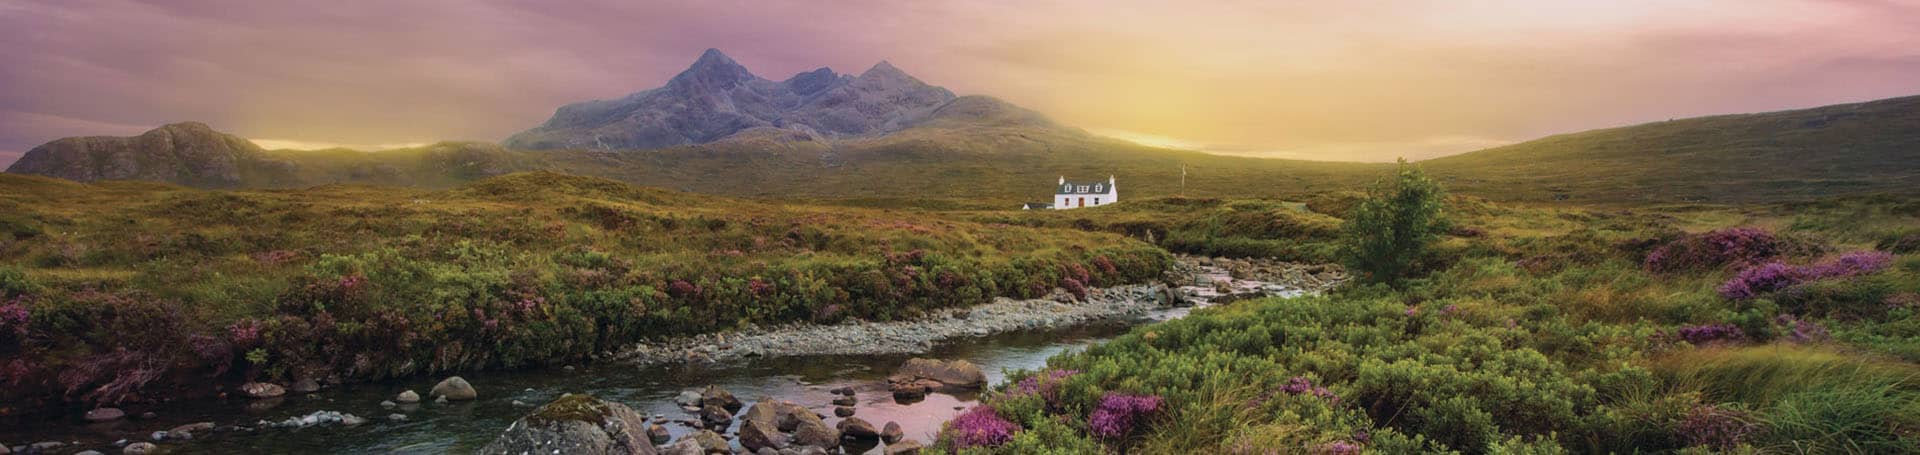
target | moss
[{"x": 571, "y": 407}]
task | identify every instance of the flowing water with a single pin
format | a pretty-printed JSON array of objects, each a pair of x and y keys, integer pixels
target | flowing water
[{"x": 461, "y": 427}]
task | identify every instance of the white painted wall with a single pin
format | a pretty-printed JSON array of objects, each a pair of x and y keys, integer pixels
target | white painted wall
[{"x": 1073, "y": 201}]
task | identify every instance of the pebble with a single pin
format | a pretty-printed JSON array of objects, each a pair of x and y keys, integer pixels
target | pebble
[{"x": 397, "y": 417}]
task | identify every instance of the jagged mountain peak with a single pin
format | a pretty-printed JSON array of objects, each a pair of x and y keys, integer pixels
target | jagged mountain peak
[{"x": 717, "y": 97}]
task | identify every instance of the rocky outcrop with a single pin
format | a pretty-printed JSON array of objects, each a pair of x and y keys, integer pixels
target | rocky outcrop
[
  {"x": 716, "y": 98},
  {"x": 576, "y": 424},
  {"x": 188, "y": 153}
]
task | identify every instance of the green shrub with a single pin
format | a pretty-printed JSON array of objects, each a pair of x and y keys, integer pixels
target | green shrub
[{"x": 1393, "y": 226}]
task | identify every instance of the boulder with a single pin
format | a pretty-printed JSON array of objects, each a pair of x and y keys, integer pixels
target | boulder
[
  {"x": 892, "y": 433},
  {"x": 140, "y": 448},
  {"x": 658, "y": 433},
  {"x": 904, "y": 447},
  {"x": 910, "y": 389},
  {"x": 306, "y": 385},
  {"x": 105, "y": 414},
  {"x": 576, "y": 424},
  {"x": 843, "y": 411},
  {"x": 845, "y": 401},
  {"x": 715, "y": 416},
  {"x": 186, "y": 432},
  {"x": 716, "y": 396},
  {"x": 407, "y": 397},
  {"x": 687, "y": 398},
  {"x": 758, "y": 435},
  {"x": 780, "y": 413},
  {"x": 262, "y": 390},
  {"x": 454, "y": 388},
  {"x": 710, "y": 442},
  {"x": 854, "y": 427},
  {"x": 955, "y": 374},
  {"x": 811, "y": 431}
]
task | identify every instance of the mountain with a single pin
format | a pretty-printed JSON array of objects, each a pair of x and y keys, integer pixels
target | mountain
[
  {"x": 187, "y": 153},
  {"x": 1795, "y": 154},
  {"x": 716, "y": 98},
  {"x": 194, "y": 154}
]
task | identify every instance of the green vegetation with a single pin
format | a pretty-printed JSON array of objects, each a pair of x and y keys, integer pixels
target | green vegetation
[
  {"x": 1546, "y": 330},
  {"x": 127, "y": 288},
  {"x": 1393, "y": 226}
]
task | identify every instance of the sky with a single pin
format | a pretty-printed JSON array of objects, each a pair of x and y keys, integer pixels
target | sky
[{"x": 1343, "y": 80}]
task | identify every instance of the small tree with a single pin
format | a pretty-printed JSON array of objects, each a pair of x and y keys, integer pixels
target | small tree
[{"x": 1388, "y": 231}]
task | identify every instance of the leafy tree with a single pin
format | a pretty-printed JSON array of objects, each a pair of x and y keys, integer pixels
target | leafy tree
[{"x": 1393, "y": 226}]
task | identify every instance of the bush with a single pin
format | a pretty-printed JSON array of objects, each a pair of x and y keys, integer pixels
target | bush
[
  {"x": 1393, "y": 227},
  {"x": 1743, "y": 246}
]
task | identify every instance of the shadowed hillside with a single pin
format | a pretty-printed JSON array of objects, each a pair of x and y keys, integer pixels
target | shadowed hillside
[{"x": 1840, "y": 149}]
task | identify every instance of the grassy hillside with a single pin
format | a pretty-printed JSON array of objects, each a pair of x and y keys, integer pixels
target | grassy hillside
[
  {"x": 1842, "y": 149},
  {"x": 118, "y": 291},
  {"x": 1553, "y": 330}
]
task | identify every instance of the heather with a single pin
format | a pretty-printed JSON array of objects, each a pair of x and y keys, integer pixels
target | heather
[
  {"x": 127, "y": 291},
  {"x": 1544, "y": 330}
]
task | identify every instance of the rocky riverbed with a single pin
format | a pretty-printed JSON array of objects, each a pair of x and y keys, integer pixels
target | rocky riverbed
[{"x": 1192, "y": 281}]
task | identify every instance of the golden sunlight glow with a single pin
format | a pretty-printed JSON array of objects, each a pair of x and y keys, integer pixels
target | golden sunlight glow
[{"x": 289, "y": 144}]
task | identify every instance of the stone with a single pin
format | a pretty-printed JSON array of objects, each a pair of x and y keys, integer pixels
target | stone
[
  {"x": 854, "y": 427},
  {"x": 407, "y": 397},
  {"x": 454, "y": 388},
  {"x": 715, "y": 416},
  {"x": 904, "y": 447},
  {"x": 575, "y": 423},
  {"x": 843, "y": 411},
  {"x": 262, "y": 390},
  {"x": 388, "y": 404},
  {"x": 45, "y": 446},
  {"x": 186, "y": 432},
  {"x": 848, "y": 391},
  {"x": 710, "y": 442},
  {"x": 892, "y": 433},
  {"x": 397, "y": 417},
  {"x": 440, "y": 399},
  {"x": 845, "y": 401},
  {"x": 716, "y": 396},
  {"x": 658, "y": 433},
  {"x": 911, "y": 390},
  {"x": 105, "y": 414},
  {"x": 304, "y": 385},
  {"x": 811, "y": 431},
  {"x": 88, "y": 452},
  {"x": 149, "y": 415},
  {"x": 140, "y": 448},
  {"x": 687, "y": 398},
  {"x": 757, "y": 435}
]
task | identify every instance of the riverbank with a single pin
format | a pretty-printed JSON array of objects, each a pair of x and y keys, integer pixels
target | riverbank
[{"x": 1191, "y": 281}]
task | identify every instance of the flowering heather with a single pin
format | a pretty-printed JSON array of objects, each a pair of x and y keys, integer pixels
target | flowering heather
[
  {"x": 1715, "y": 427},
  {"x": 1117, "y": 414},
  {"x": 1413, "y": 311},
  {"x": 981, "y": 427},
  {"x": 1775, "y": 276},
  {"x": 244, "y": 332},
  {"x": 1853, "y": 264},
  {"x": 1046, "y": 384},
  {"x": 1769, "y": 277},
  {"x": 1300, "y": 385},
  {"x": 1075, "y": 287},
  {"x": 14, "y": 317},
  {"x": 1802, "y": 331},
  {"x": 1702, "y": 334},
  {"x": 1337, "y": 448},
  {"x": 1734, "y": 246}
]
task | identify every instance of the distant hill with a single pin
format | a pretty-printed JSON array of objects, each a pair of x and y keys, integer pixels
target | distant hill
[
  {"x": 883, "y": 138},
  {"x": 194, "y": 154},
  {"x": 1847, "y": 148}
]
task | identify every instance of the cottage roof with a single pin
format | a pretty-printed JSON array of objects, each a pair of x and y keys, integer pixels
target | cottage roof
[{"x": 1094, "y": 187}]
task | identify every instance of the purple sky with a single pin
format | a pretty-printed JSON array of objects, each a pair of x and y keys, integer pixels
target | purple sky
[{"x": 1362, "y": 80}]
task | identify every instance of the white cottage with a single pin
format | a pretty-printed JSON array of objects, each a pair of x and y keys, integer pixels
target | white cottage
[{"x": 1073, "y": 195}]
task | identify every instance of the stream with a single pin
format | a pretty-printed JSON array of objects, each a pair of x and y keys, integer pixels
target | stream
[{"x": 504, "y": 396}]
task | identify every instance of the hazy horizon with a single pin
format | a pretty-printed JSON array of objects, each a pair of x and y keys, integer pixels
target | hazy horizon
[{"x": 1302, "y": 81}]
